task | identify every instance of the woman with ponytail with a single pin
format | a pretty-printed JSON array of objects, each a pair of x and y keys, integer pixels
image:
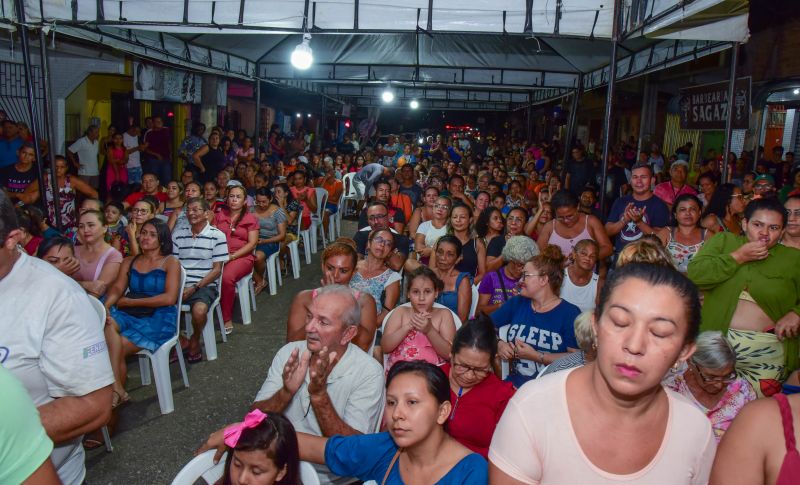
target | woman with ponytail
[{"x": 541, "y": 323}]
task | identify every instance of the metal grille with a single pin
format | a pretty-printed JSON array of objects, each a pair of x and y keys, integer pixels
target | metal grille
[{"x": 14, "y": 96}]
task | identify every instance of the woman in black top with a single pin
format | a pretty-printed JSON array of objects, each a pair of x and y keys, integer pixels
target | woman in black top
[
  {"x": 490, "y": 228},
  {"x": 210, "y": 159},
  {"x": 473, "y": 254}
]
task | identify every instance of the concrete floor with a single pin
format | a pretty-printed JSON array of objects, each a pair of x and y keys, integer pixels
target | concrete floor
[{"x": 150, "y": 448}]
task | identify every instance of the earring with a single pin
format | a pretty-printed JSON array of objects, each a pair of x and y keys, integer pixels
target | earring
[
  {"x": 594, "y": 344},
  {"x": 675, "y": 365}
]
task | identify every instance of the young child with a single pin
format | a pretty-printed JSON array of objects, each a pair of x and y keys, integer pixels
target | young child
[
  {"x": 419, "y": 332},
  {"x": 264, "y": 448}
]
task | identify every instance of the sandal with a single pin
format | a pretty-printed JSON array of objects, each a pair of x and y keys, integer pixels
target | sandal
[
  {"x": 194, "y": 358},
  {"x": 118, "y": 399},
  {"x": 91, "y": 444},
  {"x": 260, "y": 287},
  {"x": 229, "y": 330}
]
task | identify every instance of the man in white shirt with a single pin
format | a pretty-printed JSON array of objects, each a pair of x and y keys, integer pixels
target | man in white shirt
[
  {"x": 86, "y": 149},
  {"x": 52, "y": 340},
  {"x": 324, "y": 385},
  {"x": 130, "y": 139}
]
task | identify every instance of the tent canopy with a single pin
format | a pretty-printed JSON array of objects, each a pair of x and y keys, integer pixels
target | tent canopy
[{"x": 494, "y": 54}]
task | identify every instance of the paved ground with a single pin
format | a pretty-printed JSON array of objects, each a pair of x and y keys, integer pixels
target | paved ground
[{"x": 150, "y": 448}]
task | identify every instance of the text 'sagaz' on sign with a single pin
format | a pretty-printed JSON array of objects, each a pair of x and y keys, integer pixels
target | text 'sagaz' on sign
[{"x": 705, "y": 107}]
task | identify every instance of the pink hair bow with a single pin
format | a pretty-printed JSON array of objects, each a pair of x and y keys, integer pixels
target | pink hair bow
[{"x": 234, "y": 431}]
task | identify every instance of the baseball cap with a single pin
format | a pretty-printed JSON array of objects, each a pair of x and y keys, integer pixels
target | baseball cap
[{"x": 764, "y": 176}]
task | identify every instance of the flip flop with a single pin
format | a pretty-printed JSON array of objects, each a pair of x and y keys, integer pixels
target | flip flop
[
  {"x": 228, "y": 330},
  {"x": 195, "y": 358},
  {"x": 260, "y": 287},
  {"x": 118, "y": 399},
  {"x": 91, "y": 444}
]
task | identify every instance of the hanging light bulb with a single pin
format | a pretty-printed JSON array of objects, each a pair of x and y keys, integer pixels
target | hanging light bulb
[
  {"x": 387, "y": 96},
  {"x": 302, "y": 57},
  {"x": 414, "y": 104}
]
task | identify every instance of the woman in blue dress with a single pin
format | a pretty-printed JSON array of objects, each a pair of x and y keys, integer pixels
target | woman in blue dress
[
  {"x": 141, "y": 304},
  {"x": 416, "y": 448}
]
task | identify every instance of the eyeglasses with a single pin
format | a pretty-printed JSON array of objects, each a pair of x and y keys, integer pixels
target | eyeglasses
[
  {"x": 737, "y": 196},
  {"x": 376, "y": 217},
  {"x": 441, "y": 206},
  {"x": 463, "y": 369},
  {"x": 526, "y": 275},
  {"x": 714, "y": 379},
  {"x": 795, "y": 213},
  {"x": 381, "y": 241},
  {"x": 140, "y": 211}
]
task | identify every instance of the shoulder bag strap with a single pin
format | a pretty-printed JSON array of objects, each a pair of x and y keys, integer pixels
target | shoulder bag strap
[
  {"x": 502, "y": 284},
  {"x": 391, "y": 465}
]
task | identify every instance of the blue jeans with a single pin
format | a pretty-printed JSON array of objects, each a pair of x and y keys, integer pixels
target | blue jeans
[{"x": 135, "y": 175}]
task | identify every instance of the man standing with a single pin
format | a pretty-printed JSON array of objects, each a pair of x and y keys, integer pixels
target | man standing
[
  {"x": 130, "y": 139},
  {"x": 324, "y": 385},
  {"x": 60, "y": 352},
  {"x": 676, "y": 185},
  {"x": 158, "y": 151},
  {"x": 202, "y": 249},
  {"x": 637, "y": 214},
  {"x": 17, "y": 177},
  {"x": 9, "y": 144},
  {"x": 83, "y": 156},
  {"x": 579, "y": 172}
]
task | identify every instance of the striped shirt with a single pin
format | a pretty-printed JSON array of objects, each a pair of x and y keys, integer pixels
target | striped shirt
[{"x": 198, "y": 254}]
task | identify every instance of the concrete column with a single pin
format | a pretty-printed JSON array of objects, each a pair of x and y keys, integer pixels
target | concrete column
[{"x": 208, "y": 106}]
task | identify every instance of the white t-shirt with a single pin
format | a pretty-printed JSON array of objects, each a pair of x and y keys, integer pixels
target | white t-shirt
[
  {"x": 582, "y": 297},
  {"x": 431, "y": 233},
  {"x": 52, "y": 340},
  {"x": 87, "y": 156},
  {"x": 128, "y": 141},
  {"x": 534, "y": 442},
  {"x": 355, "y": 387}
]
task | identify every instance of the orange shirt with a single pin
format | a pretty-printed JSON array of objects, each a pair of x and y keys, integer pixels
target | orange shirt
[
  {"x": 403, "y": 202},
  {"x": 331, "y": 188}
]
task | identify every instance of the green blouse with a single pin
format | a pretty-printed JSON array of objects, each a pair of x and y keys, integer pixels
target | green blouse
[{"x": 774, "y": 283}]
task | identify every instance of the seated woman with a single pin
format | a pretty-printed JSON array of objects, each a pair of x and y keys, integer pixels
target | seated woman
[
  {"x": 262, "y": 446},
  {"x": 752, "y": 291},
  {"x": 31, "y": 233},
  {"x": 709, "y": 382},
  {"x": 241, "y": 229},
  {"x": 60, "y": 252},
  {"x": 570, "y": 226},
  {"x": 541, "y": 323},
  {"x": 498, "y": 286},
  {"x": 723, "y": 213},
  {"x": 141, "y": 212},
  {"x": 456, "y": 293},
  {"x": 421, "y": 331},
  {"x": 473, "y": 253},
  {"x": 584, "y": 335},
  {"x": 648, "y": 250},
  {"x": 415, "y": 449},
  {"x": 424, "y": 212},
  {"x": 338, "y": 267},
  {"x": 478, "y": 396},
  {"x": 374, "y": 277},
  {"x": 271, "y": 233},
  {"x": 99, "y": 261},
  {"x": 581, "y": 283},
  {"x": 687, "y": 237},
  {"x": 490, "y": 228},
  {"x": 175, "y": 199},
  {"x": 560, "y": 426},
  {"x": 141, "y": 304},
  {"x": 430, "y": 231},
  {"x": 178, "y": 216},
  {"x": 306, "y": 196}
]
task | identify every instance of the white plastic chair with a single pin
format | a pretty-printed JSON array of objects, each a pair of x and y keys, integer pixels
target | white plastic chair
[
  {"x": 306, "y": 235},
  {"x": 100, "y": 309},
  {"x": 474, "y": 305},
  {"x": 294, "y": 252},
  {"x": 308, "y": 475},
  {"x": 209, "y": 336},
  {"x": 456, "y": 321},
  {"x": 246, "y": 291},
  {"x": 273, "y": 273},
  {"x": 160, "y": 361},
  {"x": 349, "y": 193},
  {"x": 316, "y": 220},
  {"x": 201, "y": 466}
]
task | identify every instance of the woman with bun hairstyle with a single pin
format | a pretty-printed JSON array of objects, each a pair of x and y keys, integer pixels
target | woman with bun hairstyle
[{"x": 540, "y": 323}]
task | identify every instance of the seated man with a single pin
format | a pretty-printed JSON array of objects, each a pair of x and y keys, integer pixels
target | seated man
[
  {"x": 378, "y": 218},
  {"x": 59, "y": 354},
  {"x": 202, "y": 249},
  {"x": 383, "y": 193},
  {"x": 150, "y": 186},
  {"x": 324, "y": 385}
]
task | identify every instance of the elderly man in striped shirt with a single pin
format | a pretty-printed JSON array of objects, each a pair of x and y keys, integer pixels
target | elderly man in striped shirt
[{"x": 202, "y": 249}]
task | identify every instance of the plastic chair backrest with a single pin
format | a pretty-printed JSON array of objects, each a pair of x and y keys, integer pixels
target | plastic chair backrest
[
  {"x": 456, "y": 321},
  {"x": 201, "y": 466},
  {"x": 179, "y": 303},
  {"x": 474, "y": 305},
  {"x": 308, "y": 475},
  {"x": 349, "y": 188},
  {"x": 322, "y": 199}
]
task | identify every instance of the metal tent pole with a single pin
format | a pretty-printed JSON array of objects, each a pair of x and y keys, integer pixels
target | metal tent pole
[
  {"x": 32, "y": 108},
  {"x": 573, "y": 115},
  {"x": 48, "y": 128},
  {"x": 612, "y": 77},
  {"x": 729, "y": 118},
  {"x": 257, "y": 130}
]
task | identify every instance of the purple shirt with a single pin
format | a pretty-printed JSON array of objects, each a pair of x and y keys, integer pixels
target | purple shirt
[
  {"x": 490, "y": 285},
  {"x": 159, "y": 142}
]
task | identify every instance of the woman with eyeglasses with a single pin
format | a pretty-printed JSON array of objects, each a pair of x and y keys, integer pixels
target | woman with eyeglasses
[
  {"x": 687, "y": 237},
  {"x": 570, "y": 226},
  {"x": 424, "y": 212},
  {"x": 374, "y": 277},
  {"x": 479, "y": 397},
  {"x": 142, "y": 211},
  {"x": 500, "y": 285},
  {"x": 752, "y": 291},
  {"x": 541, "y": 322},
  {"x": 724, "y": 210},
  {"x": 791, "y": 236},
  {"x": 709, "y": 381}
]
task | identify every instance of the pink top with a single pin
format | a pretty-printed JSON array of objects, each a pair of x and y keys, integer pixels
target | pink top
[
  {"x": 415, "y": 346},
  {"x": 91, "y": 271},
  {"x": 535, "y": 442},
  {"x": 309, "y": 191},
  {"x": 790, "y": 468},
  {"x": 736, "y": 396},
  {"x": 566, "y": 245},
  {"x": 237, "y": 235},
  {"x": 666, "y": 192}
]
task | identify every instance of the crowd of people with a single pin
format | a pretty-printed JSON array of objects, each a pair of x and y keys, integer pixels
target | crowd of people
[{"x": 487, "y": 320}]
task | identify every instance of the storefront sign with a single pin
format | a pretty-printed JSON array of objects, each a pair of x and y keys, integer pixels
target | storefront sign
[{"x": 706, "y": 107}]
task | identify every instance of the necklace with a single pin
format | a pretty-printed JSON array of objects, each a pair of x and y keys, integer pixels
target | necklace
[{"x": 543, "y": 305}]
